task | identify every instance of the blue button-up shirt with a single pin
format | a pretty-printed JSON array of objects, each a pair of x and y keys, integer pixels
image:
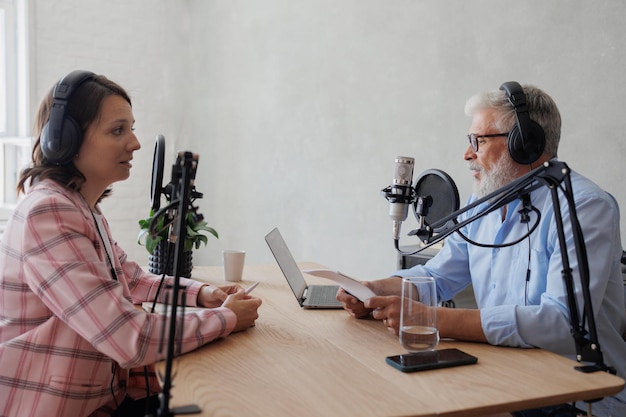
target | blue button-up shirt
[{"x": 520, "y": 290}]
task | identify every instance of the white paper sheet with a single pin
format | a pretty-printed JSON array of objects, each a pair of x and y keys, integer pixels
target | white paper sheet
[{"x": 351, "y": 285}]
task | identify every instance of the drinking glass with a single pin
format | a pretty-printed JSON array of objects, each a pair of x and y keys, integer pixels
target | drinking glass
[{"x": 418, "y": 314}]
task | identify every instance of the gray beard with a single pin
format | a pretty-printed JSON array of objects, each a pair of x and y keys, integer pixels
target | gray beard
[{"x": 501, "y": 174}]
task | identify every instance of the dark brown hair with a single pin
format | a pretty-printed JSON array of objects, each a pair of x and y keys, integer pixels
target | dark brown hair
[{"x": 84, "y": 107}]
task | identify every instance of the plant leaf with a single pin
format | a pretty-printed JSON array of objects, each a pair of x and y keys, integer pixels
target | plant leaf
[{"x": 193, "y": 229}]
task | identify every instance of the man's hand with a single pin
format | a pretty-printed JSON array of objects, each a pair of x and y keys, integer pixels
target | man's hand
[
  {"x": 351, "y": 304},
  {"x": 381, "y": 287},
  {"x": 386, "y": 308}
]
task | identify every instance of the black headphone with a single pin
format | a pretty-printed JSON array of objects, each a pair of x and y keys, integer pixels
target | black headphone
[
  {"x": 527, "y": 139},
  {"x": 62, "y": 135}
]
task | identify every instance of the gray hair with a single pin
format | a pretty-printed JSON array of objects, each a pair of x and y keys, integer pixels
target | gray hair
[{"x": 542, "y": 109}]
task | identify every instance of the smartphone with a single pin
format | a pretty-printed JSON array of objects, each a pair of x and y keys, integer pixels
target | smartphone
[{"x": 421, "y": 361}]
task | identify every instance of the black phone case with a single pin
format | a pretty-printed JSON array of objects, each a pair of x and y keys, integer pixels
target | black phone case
[{"x": 445, "y": 358}]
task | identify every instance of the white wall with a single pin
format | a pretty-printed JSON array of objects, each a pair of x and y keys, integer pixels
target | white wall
[
  {"x": 143, "y": 46},
  {"x": 298, "y": 108}
]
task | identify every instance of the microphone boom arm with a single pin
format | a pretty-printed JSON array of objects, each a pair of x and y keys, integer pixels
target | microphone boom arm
[{"x": 551, "y": 174}]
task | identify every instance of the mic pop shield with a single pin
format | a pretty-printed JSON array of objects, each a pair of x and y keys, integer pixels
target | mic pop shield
[
  {"x": 156, "y": 186},
  {"x": 436, "y": 197}
]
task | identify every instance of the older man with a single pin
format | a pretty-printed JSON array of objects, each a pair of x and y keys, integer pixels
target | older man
[{"x": 519, "y": 290}]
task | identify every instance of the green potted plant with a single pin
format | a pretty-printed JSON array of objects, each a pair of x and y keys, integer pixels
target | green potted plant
[{"x": 161, "y": 250}]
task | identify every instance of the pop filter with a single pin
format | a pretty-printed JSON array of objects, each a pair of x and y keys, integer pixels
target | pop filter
[
  {"x": 156, "y": 187},
  {"x": 436, "y": 198}
]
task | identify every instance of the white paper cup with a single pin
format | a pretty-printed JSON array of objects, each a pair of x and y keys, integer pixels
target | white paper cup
[{"x": 233, "y": 264}]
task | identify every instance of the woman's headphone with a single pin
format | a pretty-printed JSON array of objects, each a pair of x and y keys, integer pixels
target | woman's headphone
[{"x": 62, "y": 136}]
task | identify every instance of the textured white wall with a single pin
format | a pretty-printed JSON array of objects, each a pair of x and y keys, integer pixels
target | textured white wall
[
  {"x": 298, "y": 108},
  {"x": 140, "y": 44}
]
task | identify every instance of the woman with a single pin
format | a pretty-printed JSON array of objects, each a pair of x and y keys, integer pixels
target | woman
[{"x": 70, "y": 332}]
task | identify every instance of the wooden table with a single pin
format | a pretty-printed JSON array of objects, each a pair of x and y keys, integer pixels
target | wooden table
[{"x": 298, "y": 362}]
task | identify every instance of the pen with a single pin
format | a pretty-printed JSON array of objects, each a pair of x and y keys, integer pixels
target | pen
[{"x": 251, "y": 287}]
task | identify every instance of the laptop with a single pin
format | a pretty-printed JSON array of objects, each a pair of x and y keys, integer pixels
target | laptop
[{"x": 308, "y": 296}]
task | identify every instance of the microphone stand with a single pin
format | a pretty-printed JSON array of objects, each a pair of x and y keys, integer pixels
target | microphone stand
[
  {"x": 551, "y": 174},
  {"x": 182, "y": 178}
]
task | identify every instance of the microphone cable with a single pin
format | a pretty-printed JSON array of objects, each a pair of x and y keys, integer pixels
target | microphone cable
[
  {"x": 507, "y": 244},
  {"x": 527, "y": 270}
]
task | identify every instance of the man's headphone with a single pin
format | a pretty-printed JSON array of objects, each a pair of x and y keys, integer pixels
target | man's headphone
[
  {"x": 527, "y": 139},
  {"x": 62, "y": 136}
]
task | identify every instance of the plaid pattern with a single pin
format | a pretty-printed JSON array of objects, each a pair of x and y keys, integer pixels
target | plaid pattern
[{"x": 69, "y": 333}]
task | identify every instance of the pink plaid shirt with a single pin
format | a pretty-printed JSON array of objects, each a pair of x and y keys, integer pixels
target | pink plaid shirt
[{"x": 65, "y": 323}]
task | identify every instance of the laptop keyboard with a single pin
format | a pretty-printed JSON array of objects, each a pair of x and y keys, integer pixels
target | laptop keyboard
[{"x": 322, "y": 295}]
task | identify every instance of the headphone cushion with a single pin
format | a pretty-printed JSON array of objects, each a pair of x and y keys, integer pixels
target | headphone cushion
[
  {"x": 61, "y": 136},
  {"x": 59, "y": 151},
  {"x": 527, "y": 151}
]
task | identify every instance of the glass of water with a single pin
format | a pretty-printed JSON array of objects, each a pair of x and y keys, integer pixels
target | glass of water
[{"x": 418, "y": 314}]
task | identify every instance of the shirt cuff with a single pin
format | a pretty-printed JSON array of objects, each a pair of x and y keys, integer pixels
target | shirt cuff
[{"x": 499, "y": 328}]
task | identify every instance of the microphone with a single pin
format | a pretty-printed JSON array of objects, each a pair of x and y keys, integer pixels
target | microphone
[
  {"x": 400, "y": 193},
  {"x": 185, "y": 167}
]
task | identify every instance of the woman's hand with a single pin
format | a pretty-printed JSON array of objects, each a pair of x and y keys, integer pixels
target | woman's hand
[
  {"x": 245, "y": 308},
  {"x": 211, "y": 296}
]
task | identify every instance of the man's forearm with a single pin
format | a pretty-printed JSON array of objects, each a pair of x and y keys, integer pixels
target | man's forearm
[{"x": 460, "y": 324}]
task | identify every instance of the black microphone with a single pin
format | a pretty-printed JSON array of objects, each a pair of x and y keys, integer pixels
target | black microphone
[
  {"x": 400, "y": 193},
  {"x": 184, "y": 161}
]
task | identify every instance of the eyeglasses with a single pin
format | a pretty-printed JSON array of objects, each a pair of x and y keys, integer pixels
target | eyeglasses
[{"x": 473, "y": 138}]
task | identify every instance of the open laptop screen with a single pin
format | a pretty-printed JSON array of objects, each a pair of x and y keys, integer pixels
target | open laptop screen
[{"x": 287, "y": 263}]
